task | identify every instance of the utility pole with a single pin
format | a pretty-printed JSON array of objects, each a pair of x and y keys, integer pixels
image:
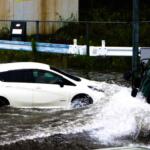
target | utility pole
[{"x": 135, "y": 37}]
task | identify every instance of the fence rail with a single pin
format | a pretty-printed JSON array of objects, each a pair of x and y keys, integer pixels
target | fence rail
[{"x": 67, "y": 49}]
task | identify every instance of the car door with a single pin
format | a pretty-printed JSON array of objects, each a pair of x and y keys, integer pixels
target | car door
[
  {"x": 18, "y": 87},
  {"x": 50, "y": 90}
]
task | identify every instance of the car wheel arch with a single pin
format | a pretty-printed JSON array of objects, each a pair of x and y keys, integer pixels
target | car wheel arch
[
  {"x": 4, "y": 101},
  {"x": 81, "y": 95}
]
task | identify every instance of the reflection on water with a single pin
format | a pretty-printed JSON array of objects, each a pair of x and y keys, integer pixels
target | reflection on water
[{"x": 116, "y": 120}]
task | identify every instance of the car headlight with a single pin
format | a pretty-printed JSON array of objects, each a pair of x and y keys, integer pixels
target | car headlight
[{"x": 94, "y": 88}]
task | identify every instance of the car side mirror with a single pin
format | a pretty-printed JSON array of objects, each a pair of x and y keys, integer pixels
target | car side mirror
[{"x": 61, "y": 83}]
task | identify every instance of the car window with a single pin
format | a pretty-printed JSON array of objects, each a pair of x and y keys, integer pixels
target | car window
[
  {"x": 47, "y": 77},
  {"x": 17, "y": 76},
  {"x": 66, "y": 74}
]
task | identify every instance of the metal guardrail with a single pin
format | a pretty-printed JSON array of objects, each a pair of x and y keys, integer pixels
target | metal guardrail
[
  {"x": 67, "y": 49},
  {"x": 110, "y": 51},
  {"x": 43, "y": 47}
]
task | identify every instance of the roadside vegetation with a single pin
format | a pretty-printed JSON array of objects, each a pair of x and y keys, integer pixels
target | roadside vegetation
[{"x": 103, "y": 64}]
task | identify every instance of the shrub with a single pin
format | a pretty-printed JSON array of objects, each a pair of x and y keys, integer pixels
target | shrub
[{"x": 4, "y": 33}]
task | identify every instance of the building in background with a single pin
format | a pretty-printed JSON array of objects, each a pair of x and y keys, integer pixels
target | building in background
[{"x": 38, "y": 10}]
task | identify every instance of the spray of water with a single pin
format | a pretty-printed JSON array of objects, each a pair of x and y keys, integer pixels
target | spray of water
[{"x": 116, "y": 118}]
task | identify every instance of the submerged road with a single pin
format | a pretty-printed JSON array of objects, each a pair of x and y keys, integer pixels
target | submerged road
[{"x": 116, "y": 120}]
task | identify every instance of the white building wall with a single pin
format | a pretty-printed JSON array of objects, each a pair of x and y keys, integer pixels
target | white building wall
[{"x": 42, "y": 10}]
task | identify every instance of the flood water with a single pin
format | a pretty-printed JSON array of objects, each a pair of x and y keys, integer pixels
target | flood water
[{"x": 116, "y": 120}]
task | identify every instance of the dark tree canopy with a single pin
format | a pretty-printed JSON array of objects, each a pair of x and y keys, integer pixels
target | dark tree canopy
[{"x": 117, "y": 6}]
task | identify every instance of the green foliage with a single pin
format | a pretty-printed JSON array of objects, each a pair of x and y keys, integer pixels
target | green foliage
[
  {"x": 4, "y": 33},
  {"x": 145, "y": 35},
  {"x": 106, "y": 14},
  {"x": 119, "y": 64},
  {"x": 113, "y": 34},
  {"x": 69, "y": 19},
  {"x": 34, "y": 47}
]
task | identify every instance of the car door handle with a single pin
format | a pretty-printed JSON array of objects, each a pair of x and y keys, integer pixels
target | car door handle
[
  {"x": 8, "y": 86},
  {"x": 38, "y": 88}
]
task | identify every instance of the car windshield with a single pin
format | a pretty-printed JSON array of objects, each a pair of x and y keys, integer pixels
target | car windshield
[{"x": 66, "y": 74}]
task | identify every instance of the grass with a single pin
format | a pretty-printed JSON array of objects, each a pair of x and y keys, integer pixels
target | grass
[{"x": 103, "y": 64}]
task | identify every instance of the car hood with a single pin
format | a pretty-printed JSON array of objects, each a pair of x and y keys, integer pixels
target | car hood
[{"x": 87, "y": 82}]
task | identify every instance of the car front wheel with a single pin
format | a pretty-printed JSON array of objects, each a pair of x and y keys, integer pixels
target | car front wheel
[{"x": 80, "y": 101}]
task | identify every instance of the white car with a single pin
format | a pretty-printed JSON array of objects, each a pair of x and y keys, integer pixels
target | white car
[{"x": 37, "y": 85}]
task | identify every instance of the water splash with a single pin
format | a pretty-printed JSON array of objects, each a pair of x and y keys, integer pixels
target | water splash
[{"x": 116, "y": 119}]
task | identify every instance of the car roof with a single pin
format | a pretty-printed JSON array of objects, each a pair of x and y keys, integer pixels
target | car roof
[{"x": 23, "y": 65}]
